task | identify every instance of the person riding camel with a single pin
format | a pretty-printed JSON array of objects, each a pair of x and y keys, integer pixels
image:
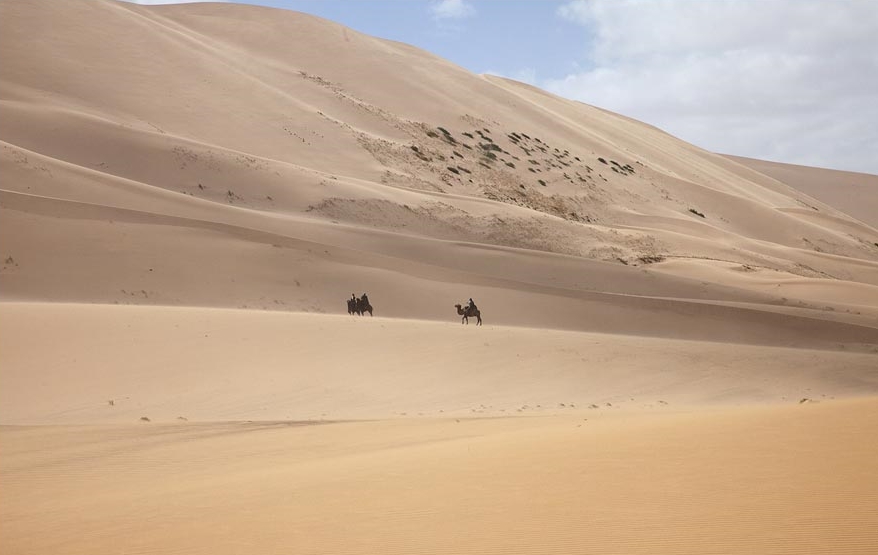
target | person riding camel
[
  {"x": 471, "y": 305},
  {"x": 365, "y": 300}
]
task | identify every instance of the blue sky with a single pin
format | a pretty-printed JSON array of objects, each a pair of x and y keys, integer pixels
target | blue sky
[
  {"x": 508, "y": 37},
  {"x": 787, "y": 80}
]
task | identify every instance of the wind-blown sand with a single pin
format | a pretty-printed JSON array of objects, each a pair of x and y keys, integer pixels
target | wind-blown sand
[{"x": 679, "y": 351}]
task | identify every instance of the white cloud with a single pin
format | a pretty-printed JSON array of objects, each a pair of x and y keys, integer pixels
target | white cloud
[
  {"x": 451, "y": 9},
  {"x": 787, "y": 80}
]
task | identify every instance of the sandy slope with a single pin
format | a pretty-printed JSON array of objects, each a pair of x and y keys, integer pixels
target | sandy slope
[
  {"x": 798, "y": 479},
  {"x": 855, "y": 194},
  {"x": 183, "y": 216},
  {"x": 213, "y": 364},
  {"x": 270, "y": 432}
]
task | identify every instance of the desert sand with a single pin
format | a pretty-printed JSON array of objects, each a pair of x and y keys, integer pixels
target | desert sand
[{"x": 679, "y": 351}]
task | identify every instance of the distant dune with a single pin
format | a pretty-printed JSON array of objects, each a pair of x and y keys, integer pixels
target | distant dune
[
  {"x": 855, "y": 194},
  {"x": 679, "y": 351}
]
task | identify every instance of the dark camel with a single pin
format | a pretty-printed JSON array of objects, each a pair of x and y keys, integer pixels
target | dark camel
[
  {"x": 467, "y": 313},
  {"x": 359, "y": 306},
  {"x": 363, "y": 306}
]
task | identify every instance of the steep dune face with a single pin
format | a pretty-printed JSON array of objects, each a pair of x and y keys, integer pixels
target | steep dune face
[{"x": 229, "y": 155}]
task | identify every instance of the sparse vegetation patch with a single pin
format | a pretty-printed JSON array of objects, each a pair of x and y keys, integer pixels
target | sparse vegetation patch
[
  {"x": 446, "y": 136},
  {"x": 619, "y": 168}
]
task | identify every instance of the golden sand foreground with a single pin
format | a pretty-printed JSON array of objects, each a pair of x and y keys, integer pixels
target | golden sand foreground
[
  {"x": 793, "y": 479},
  {"x": 679, "y": 351},
  {"x": 150, "y": 429}
]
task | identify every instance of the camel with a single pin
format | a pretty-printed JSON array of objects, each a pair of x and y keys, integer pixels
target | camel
[
  {"x": 359, "y": 306},
  {"x": 467, "y": 313}
]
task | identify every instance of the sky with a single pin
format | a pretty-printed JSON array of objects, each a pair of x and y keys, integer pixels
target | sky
[{"x": 792, "y": 81}]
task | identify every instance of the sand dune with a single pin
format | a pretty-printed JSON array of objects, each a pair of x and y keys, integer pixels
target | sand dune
[
  {"x": 680, "y": 349},
  {"x": 400, "y": 165},
  {"x": 721, "y": 481},
  {"x": 219, "y": 430},
  {"x": 853, "y": 193},
  {"x": 224, "y": 364}
]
